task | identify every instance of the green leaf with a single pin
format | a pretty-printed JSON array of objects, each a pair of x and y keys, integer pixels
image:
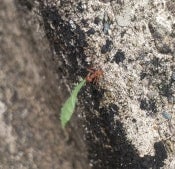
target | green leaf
[{"x": 69, "y": 106}]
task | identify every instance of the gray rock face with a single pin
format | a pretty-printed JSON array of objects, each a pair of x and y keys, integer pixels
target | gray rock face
[
  {"x": 124, "y": 121},
  {"x": 31, "y": 94}
]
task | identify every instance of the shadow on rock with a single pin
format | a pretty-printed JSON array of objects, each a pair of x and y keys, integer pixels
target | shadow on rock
[
  {"x": 107, "y": 142},
  {"x": 67, "y": 40}
]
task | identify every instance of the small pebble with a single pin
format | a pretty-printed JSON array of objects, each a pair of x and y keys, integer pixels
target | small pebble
[
  {"x": 107, "y": 47},
  {"x": 91, "y": 31},
  {"x": 173, "y": 75},
  {"x": 166, "y": 115}
]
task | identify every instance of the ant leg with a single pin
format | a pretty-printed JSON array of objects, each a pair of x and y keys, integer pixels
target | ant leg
[
  {"x": 88, "y": 77},
  {"x": 96, "y": 80},
  {"x": 91, "y": 70}
]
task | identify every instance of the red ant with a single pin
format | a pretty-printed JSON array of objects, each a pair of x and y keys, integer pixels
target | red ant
[{"x": 94, "y": 75}]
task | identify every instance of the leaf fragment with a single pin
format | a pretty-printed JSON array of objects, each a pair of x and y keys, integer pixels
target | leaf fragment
[{"x": 69, "y": 106}]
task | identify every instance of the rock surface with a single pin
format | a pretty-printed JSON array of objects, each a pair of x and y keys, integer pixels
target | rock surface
[
  {"x": 125, "y": 121},
  {"x": 31, "y": 96}
]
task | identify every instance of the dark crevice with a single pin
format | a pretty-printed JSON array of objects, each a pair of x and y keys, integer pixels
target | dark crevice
[{"x": 67, "y": 42}]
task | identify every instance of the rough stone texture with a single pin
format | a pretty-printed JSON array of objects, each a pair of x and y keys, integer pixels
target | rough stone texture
[
  {"x": 127, "y": 118},
  {"x": 31, "y": 96}
]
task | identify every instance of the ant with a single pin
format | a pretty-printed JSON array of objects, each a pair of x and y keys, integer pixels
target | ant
[{"x": 94, "y": 75}]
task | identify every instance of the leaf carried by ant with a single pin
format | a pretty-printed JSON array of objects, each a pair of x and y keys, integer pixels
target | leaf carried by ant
[{"x": 69, "y": 106}]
